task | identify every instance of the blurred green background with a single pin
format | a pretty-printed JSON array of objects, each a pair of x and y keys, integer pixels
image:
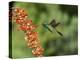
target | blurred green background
[{"x": 53, "y": 43}]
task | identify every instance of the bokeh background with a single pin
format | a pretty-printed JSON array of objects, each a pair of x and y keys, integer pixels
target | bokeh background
[{"x": 53, "y": 43}]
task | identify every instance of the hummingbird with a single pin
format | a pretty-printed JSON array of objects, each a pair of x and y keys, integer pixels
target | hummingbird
[{"x": 53, "y": 24}]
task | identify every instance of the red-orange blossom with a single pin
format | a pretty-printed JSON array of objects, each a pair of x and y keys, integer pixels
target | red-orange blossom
[{"x": 26, "y": 25}]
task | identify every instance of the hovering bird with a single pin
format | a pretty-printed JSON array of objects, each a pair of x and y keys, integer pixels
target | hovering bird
[{"x": 53, "y": 24}]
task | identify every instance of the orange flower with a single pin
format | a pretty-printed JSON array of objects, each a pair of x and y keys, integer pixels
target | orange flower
[
  {"x": 28, "y": 22},
  {"x": 19, "y": 21},
  {"x": 28, "y": 27},
  {"x": 38, "y": 51}
]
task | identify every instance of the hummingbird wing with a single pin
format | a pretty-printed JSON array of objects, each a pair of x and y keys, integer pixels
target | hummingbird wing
[
  {"x": 44, "y": 25},
  {"x": 57, "y": 24},
  {"x": 52, "y": 22}
]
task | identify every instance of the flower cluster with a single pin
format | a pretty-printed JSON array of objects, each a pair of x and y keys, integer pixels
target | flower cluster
[{"x": 26, "y": 25}]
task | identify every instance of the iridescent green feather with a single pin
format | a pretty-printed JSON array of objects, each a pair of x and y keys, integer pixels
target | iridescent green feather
[{"x": 46, "y": 26}]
